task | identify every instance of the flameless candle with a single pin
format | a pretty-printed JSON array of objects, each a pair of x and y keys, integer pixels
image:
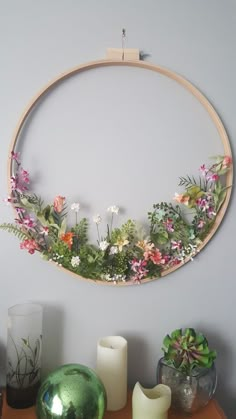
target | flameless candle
[
  {"x": 112, "y": 370},
  {"x": 151, "y": 403}
]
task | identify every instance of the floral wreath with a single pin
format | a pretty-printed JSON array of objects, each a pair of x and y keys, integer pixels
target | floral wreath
[{"x": 126, "y": 253}]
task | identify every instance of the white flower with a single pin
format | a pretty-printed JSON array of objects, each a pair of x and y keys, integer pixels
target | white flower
[
  {"x": 113, "y": 250},
  {"x": 75, "y": 261},
  {"x": 75, "y": 207},
  {"x": 113, "y": 209},
  {"x": 97, "y": 219},
  {"x": 103, "y": 245}
]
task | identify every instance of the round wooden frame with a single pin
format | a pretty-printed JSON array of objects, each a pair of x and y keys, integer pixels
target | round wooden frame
[{"x": 168, "y": 73}]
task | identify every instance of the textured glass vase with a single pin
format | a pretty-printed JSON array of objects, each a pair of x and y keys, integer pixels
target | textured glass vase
[
  {"x": 24, "y": 347},
  {"x": 72, "y": 391},
  {"x": 189, "y": 393}
]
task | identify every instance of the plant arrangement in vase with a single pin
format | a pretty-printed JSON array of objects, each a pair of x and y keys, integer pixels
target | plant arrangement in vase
[
  {"x": 188, "y": 368},
  {"x": 123, "y": 253}
]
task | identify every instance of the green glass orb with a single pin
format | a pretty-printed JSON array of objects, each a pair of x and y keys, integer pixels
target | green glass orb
[{"x": 72, "y": 391}]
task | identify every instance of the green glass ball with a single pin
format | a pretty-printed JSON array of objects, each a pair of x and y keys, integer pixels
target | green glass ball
[{"x": 72, "y": 391}]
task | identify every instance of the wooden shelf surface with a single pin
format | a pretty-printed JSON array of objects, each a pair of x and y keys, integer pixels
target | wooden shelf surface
[{"x": 211, "y": 411}]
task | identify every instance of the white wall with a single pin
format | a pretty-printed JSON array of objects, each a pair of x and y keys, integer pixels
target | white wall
[{"x": 39, "y": 40}]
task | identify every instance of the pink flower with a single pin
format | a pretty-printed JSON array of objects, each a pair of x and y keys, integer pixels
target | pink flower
[
  {"x": 202, "y": 203},
  {"x": 15, "y": 156},
  {"x": 25, "y": 176},
  {"x": 210, "y": 212},
  {"x": 9, "y": 200},
  {"x": 201, "y": 224},
  {"x": 45, "y": 231},
  {"x": 59, "y": 203},
  {"x": 20, "y": 211},
  {"x": 19, "y": 181},
  {"x": 203, "y": 170},
  {"x": 169, "y": 225},
  {"x": 29, "y": 245},
  {"x": 176, "y": 244},
  {"x": 213, "y": 177},
  {"x": 165, "y": 259},
  {"x": 139, "y": 269},
  {"x": 227, "y": 161},
  {"x": 27, "y": 222},
  {"x": 175, "y": 261},
  {"x": 13, "y": 182},
  {"x": 154, "y": 255}
]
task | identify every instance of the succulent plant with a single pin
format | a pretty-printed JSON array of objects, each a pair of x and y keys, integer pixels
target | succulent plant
[{"x": 186, "y": 350}]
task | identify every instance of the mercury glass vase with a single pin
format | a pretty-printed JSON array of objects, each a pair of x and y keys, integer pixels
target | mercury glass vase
[
  {"x": 189, "y": 393},
  {"x": 24, "y": 347}
]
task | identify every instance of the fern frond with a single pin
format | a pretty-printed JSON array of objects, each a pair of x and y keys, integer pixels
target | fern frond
[
  {"x": 81, "y": 230},
  {"x": 12, "y": 228},
  {"x": 188, "y": 181},
  {"x": 35, "y": 200}
]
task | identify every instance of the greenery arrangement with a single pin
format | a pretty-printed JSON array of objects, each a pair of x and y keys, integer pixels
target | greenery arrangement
[
  {"x": 125, "y": 253},
  {"x": 187, "y": 350}
]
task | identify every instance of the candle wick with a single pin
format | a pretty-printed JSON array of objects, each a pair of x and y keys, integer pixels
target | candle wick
[{"x": 111, "y": 347}]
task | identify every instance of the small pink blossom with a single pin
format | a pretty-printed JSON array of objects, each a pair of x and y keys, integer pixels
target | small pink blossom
[
  {"x": 13, "y": 182},
  {"x": 203, "y": 170},
  {"x": 24, "y": 174},
  {"x": 176, "y": 244},
  {"x": 44, "y": 231},
  {"x": 175, "y": 261},
  {"x": 15, "y": 156},
  {"x": 227, "y": 161},
  {"x": 27, "y": 222},
  {"x": 139, "y": 269},
  {"x": 202, "y": 203},
  {"x": 19, "y": 181},
  {"x": 20, "y": 211},
  {"x": 213, "y": 177},
  {"x": 210, "y": 212},
  {"x": 165, "y": 259},
  {"x": 59, "y": 203},
  {"x": 169, "y": 225},
  {"x": 201, "y": 224},
  {"x": 9, "y": 200},
  {"x": 30, "y": 245}
]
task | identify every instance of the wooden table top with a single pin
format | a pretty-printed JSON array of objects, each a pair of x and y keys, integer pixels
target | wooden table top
[{"x": 211, "y": 411}]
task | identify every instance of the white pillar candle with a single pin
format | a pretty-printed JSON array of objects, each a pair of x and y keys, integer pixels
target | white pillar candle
[
  {"x": 112, "y": 370},
  {"x": 151, "y": 403}
]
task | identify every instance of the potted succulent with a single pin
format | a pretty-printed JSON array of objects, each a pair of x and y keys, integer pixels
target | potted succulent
[{"x": 188, "y": 369}]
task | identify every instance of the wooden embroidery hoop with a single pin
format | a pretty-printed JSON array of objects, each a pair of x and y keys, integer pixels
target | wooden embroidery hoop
[{"x": 130, "y": 57}]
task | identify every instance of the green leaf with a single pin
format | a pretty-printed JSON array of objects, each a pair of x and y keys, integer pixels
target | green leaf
[
  {"x": 167, "y": 341},
  {"x": 25, "y": 341},
  {"x": 62, "y": 229},
  {"x": 176, "y": 334},
  {"x": 12, "y": 228}
]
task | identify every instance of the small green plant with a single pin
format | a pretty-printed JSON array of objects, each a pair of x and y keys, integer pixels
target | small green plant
[{"x": 186, "y": 350}]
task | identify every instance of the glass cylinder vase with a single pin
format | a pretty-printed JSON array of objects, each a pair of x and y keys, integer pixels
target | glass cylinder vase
[
  {"x": 189, "y": 393},
  {"x": 24, "y": 348}
]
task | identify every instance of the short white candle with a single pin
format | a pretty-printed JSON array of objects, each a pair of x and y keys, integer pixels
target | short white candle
[
  {"x": 151, "y": 403},
  {"x": 112, "y": 370}
]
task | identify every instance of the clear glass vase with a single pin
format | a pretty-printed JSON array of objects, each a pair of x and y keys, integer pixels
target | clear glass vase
[
  {"x": 189, "y": 393},
  {"x": 24, "y": 348}
]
